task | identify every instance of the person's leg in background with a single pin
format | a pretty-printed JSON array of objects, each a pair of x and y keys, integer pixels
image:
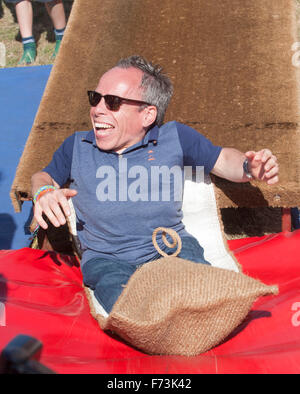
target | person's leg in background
[
  {"x": 56, "y": 11},
  {"x": 24, "y": 15}
]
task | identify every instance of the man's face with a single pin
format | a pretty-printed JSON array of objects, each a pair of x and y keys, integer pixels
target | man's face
[{"x": 117, "y": 130}]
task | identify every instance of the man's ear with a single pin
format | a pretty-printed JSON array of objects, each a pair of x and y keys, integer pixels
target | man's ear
[{"x": 150, "y": 114}]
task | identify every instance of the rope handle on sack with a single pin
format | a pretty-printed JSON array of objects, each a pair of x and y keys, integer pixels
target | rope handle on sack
[{"x": 175, "y": 238}]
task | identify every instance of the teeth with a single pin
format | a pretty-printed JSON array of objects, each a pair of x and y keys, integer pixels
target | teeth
[{"x": 103, "y": 126}]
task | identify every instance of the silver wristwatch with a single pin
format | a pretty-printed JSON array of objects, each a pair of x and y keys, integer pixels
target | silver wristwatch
[{"x": 246, "y": 169}]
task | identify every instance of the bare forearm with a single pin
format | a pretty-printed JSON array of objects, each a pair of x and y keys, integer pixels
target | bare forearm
[
  {"x": 230, "y": 165},
  {"x": 40, "y": 179},
  {"x": 262, "y": 166}
]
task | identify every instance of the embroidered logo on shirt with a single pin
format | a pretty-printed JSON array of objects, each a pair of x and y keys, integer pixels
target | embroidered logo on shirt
[{"x": 150, "y": 156}]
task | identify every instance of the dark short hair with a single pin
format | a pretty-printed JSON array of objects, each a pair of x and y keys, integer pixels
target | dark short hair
[{"x": 157, "y": 87}]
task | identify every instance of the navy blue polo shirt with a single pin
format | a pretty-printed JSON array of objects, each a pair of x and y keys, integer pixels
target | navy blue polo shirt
[{"x": 122, "y": 198}]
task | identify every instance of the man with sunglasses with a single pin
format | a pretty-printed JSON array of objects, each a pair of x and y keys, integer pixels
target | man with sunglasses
[{"x": 128, "y": 136}]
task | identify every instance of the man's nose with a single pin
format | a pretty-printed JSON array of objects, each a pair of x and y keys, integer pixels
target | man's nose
[{"x": 101, "y": 106}]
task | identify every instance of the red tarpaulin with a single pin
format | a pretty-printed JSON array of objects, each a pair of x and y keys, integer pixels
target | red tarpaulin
[{"x": 41, "y": 295}]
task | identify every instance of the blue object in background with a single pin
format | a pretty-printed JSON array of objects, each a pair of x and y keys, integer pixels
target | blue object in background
[
  {"x": 295, "y": 214},
  {"x": 21, "y": 90}
]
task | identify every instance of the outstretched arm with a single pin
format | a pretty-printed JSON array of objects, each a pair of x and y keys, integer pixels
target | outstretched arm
[{"x": 262, "y": 165}]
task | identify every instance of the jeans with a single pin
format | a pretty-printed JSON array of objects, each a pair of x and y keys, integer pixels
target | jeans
[{"x": 106, "y": 277}]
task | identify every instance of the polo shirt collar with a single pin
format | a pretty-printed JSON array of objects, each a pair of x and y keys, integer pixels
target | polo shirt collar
[
  {"x": 151, "y": 136},
  {"x": 90, "y": 137}
]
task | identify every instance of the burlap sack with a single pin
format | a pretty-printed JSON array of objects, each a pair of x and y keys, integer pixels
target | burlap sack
[{"x": 173, "y": 306}]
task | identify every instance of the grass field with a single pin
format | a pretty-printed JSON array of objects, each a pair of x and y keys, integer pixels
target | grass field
[{"x": 42, "y": 31}]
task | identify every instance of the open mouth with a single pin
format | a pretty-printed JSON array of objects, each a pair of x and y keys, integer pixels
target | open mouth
[{"x": 103, "y": 129}]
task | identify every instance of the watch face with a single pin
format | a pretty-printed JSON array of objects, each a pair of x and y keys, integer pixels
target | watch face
[{"x": 246, "y": 169}]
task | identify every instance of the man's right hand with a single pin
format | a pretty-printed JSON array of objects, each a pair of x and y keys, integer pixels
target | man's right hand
[{"x": 55, "y": 206}]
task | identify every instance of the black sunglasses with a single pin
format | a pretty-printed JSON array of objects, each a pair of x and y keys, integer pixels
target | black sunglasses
[{"x": 112, "y": 102}]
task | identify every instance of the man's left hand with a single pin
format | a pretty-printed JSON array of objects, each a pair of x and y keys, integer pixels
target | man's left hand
[{"x": 263, "y": 166}]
